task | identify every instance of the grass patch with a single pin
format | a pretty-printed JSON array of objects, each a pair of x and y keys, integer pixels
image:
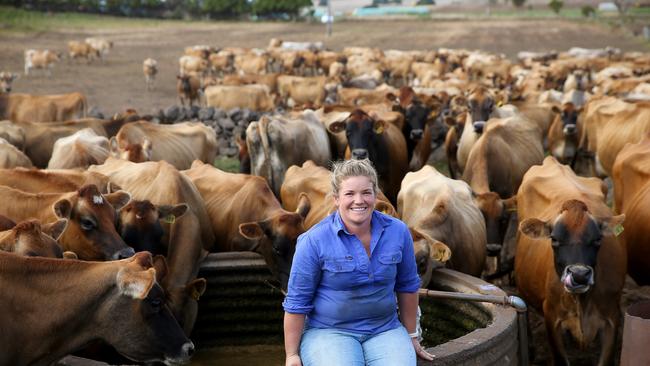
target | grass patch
[
  {"x": 227, "y": 164},
  {"x": 20, "y": 20}
]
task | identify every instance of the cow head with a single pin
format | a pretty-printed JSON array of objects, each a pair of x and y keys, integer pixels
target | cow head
[
  {"x": 139, "y": 224},
  {"x": 277, "y": 237},
  {"x": 481, "y": 105},
  {"x": 91, "y": 230},
  {"x": 362, "y": 132},
  {"x": 566, "y": 146},
  {"x": 429, "y": 255},
  {"x": 496, "y": 213},
  {"x": 28, "y": 238},
  {"x": 416, "y": 113},
  {"x": 576, "y": 236},
  {"x": 6, "y": 78},
  {"x": 137, "y": 153},
  {"x": 136, "y": 320}
]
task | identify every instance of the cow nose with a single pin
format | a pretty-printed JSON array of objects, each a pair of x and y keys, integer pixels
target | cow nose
[
  {"x": 478, "y": 126},
  {"x": 8, "y": 90},
  {"x": 416, "y": 134},
  {"x": 582, "y": 275},
  {"x": 187, "y": 350},
  {"x": 569, "y": 129},
  {"x": 127, "y": 252},
  {"x": 359, "y": 154}
]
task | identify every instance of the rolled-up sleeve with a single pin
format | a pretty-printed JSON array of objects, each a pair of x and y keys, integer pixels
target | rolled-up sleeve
[
  {"x": 304, "y": 278},
  {"x": 407, "y": 274}
]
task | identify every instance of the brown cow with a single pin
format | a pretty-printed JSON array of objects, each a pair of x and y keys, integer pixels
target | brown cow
[
  {"x": 6, "y": 78},
  {"x": 246, "y": 216},
  {"x": 53, "y": 181},
  {"x": 77, "y": 50},
  {"x": 188, "y": 87},
  {"x": 41, "y": 59},
  {"x": 379, "y": 141},
  {"x": 79, "y": 150},
  {"x": 298, "y": 90},
  {"x": 179, "y": 144},
  {"x": 569, "y": 264},
  {"x": 495, "y": 168},
  {"x": 13, "y": 134},
  {"x": 187, "y": 239},
  {"x": 29, "y": 238},
  {"x": 91, "y": 230},
  {"x": 313, "y": 181},
  {"x": 255, "y": 97},
  {"x": 150, "y": 70},
  {"x": 630, "y": 174},
  {"x": 42, "y": 108},
  {"x": 444, "y": 210},
  {"x": 119, "y": 302},
  {"x": 481, "y": 105},
  {"x": 11, "y": 157},
  {"x": 564, "y": 134}
]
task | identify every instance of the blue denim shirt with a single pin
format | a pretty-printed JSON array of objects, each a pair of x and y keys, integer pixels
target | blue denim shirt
[{"x": 336, "y": 284}]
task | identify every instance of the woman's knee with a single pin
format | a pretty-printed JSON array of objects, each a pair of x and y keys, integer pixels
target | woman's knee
[{"x": 328, "y": 347}]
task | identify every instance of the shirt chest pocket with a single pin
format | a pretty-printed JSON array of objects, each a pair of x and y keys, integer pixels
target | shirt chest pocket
[
  {"x": 338, "y": 273},
  {"x": 388, "y": 262}
]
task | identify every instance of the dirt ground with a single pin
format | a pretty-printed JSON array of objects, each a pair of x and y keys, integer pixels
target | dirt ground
[{"x": 118, "y": 83}]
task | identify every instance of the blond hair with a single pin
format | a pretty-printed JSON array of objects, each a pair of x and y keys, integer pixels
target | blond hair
[{"x": 352, "y": 168}]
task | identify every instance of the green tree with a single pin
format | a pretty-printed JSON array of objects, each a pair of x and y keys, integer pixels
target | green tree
[
  {"x": 518, "y": 3},
  {"x": 292, "y": 7},
  {"x": 556, "y": 5},
  {"x": 225, "y": 8}
]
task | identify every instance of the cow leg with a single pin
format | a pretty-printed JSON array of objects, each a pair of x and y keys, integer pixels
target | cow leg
[
  {"x": 556, "y": 345},
  {"x": 608, "y": 343}
]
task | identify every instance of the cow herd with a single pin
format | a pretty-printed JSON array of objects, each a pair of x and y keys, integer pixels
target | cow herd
[{"x": 92, "y": 192}]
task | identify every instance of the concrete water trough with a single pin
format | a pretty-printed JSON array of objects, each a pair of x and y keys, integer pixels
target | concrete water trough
[{"x": 242, "y": 307}]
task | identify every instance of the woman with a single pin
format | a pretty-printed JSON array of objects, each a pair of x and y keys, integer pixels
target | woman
[{"x": 349, "y": 274}]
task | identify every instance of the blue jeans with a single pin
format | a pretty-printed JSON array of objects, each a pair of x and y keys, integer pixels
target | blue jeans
[{"x": 333, "y": 347}]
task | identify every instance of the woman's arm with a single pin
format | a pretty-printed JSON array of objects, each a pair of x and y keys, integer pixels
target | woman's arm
[
  {"x": 408, "y": 309},
  {"x": 293, "y": 325}
]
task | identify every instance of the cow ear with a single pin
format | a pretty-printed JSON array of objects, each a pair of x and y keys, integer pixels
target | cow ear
[
  {"x": 535, "y": 228},
  {"x": 439, "y": 251},
  {"x": 114, "y": 147},
  {"x": 136, "y": 284},
  {"x": 379, "y": 126},
  {"x": 112, "y": 187},
  {"x": 251, "y": 230},
  {"x": 160, "y": 265},
  {"x": 62, "y": 208},
  {"x": 118, "y": 199},
  {"x": 612, "y": 225},
  {"x": 147, "y": 147},
  {"x": 196, "y": 288},
  {"x": 385, "y": 207},
  {"x": 55, "y": 229},
  {"x": 304, "y": 205},
  {"x": 336, "y": 127},
  {"x": 70, "y": 255},
  {"x": 171, "y": 213},
  {"x": 510, "y": 204},
  {"x": 556, "y": 109}
]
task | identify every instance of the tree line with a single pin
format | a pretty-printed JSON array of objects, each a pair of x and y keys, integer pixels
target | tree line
[{"x": 219, "y": 9}]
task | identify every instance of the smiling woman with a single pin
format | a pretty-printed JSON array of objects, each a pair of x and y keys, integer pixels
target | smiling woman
[{"x": 349, "y": 273}]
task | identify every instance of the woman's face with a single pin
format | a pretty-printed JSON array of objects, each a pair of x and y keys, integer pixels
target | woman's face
[{"x": 356, "y": 200}]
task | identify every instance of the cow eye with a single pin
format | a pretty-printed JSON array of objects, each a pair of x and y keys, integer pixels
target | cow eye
[
  {"x": 87, "y": 224},
  {"x": 554, "y": 242},
  {"x": 156, "y": 304}
]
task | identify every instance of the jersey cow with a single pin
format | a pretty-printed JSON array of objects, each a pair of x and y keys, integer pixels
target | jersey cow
[
  {"x": 246, "y": 216},
  {"x": 67, "y": 304},
  {"x": 274, "y": 144},
  {"x": 29, "y": 238},
  {"x": 569, "y": 264},
  {"x": 79, "y": 150},
  {"x": 42, "y": 108}
]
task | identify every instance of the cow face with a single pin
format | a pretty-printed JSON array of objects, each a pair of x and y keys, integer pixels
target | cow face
[
  {"x": 576, "y": 237},
  {"x": 277, "y": 238},
  {"x": 30, "y": 239},
  {"x": 415, "y": 113},
  {"x": 6, "y": 79},
  {"x": 362, "y": 133},
  {"x": 139, "y": 224},
  {"x": 481, "y": 104},
  {"x": 429, "y": 255},
  {"x": 496, "y": 213},
  {"x": 139, "y": 324},
  {"x": 91, "y": 230}
]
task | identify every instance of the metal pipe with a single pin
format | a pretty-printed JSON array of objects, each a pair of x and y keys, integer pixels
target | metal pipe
[{"x": 516, "y": 302}]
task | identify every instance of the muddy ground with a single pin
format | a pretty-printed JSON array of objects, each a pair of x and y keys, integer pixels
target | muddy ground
[{"x": 118, "y": 83}]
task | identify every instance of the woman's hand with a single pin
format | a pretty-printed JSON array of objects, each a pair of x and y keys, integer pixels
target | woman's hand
[
  {"x": 420, "y": 351},
  {"x": 293, "y": 360}
]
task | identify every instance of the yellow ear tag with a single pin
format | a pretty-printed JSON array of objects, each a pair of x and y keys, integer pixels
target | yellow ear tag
[
  {"x": 170, "y": 219},
  {"x": 618, "y": 229},
  {"x": 499, "y": 103},
  {"x": 195, "y": 294},
  {"x": 379, "y": 130}
]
